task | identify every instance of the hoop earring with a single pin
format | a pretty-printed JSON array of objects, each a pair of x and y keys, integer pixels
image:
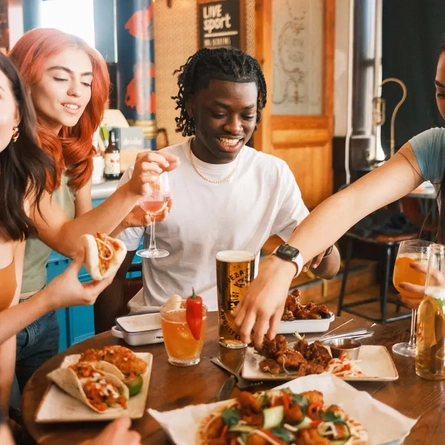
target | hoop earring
[{"x": 15, "y": 133}]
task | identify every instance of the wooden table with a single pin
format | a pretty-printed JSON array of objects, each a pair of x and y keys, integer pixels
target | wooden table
[{"x": 173, "y": 387}]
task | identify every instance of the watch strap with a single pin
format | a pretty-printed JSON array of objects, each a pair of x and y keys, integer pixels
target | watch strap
[{"x": 298, "y": 261}]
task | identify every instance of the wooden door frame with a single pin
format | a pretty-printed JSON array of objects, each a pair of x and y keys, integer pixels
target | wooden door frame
[{"x": 263, "y": 46}]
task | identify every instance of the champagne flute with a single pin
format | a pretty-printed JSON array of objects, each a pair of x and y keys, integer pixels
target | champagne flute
[
  {"x": 409, "y": 252},
  {"x": 154, "y": 202}
]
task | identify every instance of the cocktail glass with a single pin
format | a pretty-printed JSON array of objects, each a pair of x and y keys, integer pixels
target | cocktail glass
[
  {"x": 182, "y": 348},
  {"x": 410, "y": 251}
]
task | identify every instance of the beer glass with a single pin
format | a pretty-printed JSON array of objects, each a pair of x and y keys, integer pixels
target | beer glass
[
  {"x": 235, "y": 269},
  {"x": 410, "y": 251},
  {"x": 430, "y": 347}
]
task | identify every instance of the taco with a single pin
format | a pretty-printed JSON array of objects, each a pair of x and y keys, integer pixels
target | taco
[
  {"x": 103, "y": 255},
  {"x": 280, "y": 417},
  {"x": 121, "y": 362},
  {"x": 95, "y": 388}
]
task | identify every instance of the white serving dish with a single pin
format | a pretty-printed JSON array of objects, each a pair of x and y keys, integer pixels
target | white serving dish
[
  {"x": 305, "y": 326},
  {"x": 139, "y": 329},
  {"x": 384, "y": 424},
  {"x": 374, "y": 361}
]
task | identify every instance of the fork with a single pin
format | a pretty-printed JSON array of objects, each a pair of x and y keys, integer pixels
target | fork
[{"x": 241, "y": 383}]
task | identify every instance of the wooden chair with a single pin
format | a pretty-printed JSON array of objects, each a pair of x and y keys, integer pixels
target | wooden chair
[{"x": 388, "y": 246}]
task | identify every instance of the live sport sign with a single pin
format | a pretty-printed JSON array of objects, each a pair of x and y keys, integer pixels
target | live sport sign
[{"x": 221, "y": 24}]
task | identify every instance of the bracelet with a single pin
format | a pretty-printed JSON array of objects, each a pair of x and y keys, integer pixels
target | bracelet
[{"x": 328, "y": 251}]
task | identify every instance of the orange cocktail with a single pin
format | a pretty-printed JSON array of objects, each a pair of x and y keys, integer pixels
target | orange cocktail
[
  {"x": 182, "y": 348},
  {"x": 404, "y": 273}
]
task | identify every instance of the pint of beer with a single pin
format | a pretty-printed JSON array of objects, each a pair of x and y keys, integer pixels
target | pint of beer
[{"x": 235, "y": 269}]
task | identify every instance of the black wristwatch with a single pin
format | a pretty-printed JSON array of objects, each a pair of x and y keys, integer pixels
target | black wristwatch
[{"x": 290, "y": 253}]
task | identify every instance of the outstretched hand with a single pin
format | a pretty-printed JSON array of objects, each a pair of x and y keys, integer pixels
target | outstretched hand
[
  {"x": 66, "y": 289},
  {"x": 262, "y": 306},
  {"x": 116, "y": 433}
]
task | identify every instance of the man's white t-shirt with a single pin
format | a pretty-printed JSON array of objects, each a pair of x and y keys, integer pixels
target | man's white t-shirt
[{"x": 261, "y": 199}]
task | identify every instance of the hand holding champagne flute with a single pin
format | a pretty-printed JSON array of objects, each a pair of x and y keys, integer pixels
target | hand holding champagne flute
[
  {"x": 411, "y": 251},
  {"x": 154, "y": 202}
]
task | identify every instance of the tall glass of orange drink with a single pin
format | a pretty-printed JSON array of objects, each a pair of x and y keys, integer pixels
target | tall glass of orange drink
[
  {"x": 411, "y": 251},
  {"x": 182, "y": 348}
]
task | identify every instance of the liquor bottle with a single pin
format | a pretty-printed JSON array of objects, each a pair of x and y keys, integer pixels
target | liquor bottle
[{"x": 112, "y": 158}]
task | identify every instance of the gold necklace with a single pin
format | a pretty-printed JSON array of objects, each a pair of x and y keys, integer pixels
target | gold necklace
[{"x": 219, "y": 181}]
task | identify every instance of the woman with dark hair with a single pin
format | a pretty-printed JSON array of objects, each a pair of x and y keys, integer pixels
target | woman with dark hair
[
  {"x": 420, "y": 159},
  {"x": 69, "y": 84}
]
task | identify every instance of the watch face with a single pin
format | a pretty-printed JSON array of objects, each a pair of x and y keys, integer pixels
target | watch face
[{"x": 287, "y": 252}]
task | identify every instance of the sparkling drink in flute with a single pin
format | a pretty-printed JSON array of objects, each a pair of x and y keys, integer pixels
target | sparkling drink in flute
[
  {"x": 234, "y": 271},
  {"x": 430, "y": 345},
  {"x": 155, "y": 202}
]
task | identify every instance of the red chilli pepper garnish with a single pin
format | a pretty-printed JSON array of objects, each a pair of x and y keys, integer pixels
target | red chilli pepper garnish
[
  {"x": 286, "y": 401},
  {"x": 313, "y": 411},
  {"x": 193, "y": 314},
  {"x": 224, "y": 430}
]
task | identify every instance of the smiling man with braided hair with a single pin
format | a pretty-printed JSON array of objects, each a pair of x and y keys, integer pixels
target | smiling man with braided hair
[{"x": 226, "y": 194}]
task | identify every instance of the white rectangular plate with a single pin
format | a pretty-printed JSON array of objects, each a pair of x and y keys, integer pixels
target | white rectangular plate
[
  {"x": 58, "y": 406},
  {"x": 374, "y": 361},
  {"x": 305, "y": 326},
  {"x": 384, "y": 424}
]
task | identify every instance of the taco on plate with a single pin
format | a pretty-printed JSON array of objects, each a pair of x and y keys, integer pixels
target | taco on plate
[
  {"x": 95, "y": 388},
  {"x": 279, "y": 417},
  {"x": 121, "y": 362}
]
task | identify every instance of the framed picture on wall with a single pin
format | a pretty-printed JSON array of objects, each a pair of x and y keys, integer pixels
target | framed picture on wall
[{"x": 221, "y": 24}]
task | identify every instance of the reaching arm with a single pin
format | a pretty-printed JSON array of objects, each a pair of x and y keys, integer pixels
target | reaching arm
[
  {"x": 61, "y": 234},
  {"x": 64, "y": 291},
  {"x": 333, "y": 217},
  {"x": 83, "y": 202},
  {"x": 262, "y": 306}
]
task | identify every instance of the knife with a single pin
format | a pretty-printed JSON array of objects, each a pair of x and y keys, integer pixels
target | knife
[{"x": 226, "y": 389}]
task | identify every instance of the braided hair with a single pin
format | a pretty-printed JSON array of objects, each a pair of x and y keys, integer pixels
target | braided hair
[{"x": 230, "y": 65}]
